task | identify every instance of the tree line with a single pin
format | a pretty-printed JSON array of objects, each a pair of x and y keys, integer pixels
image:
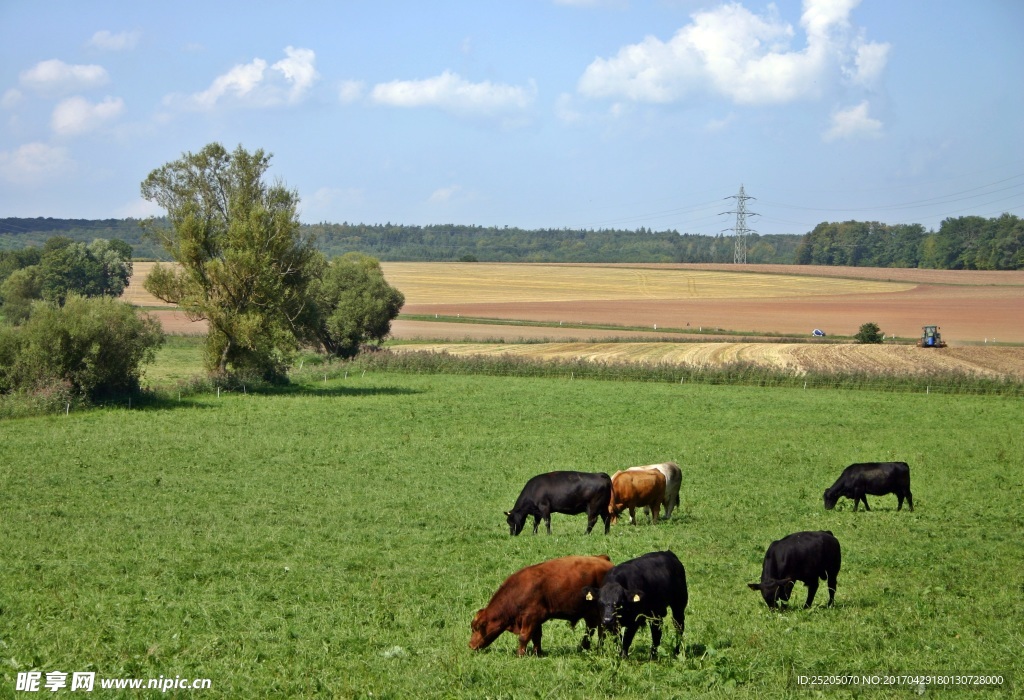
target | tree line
[
  {"x": 967, "y": 242},
  {"x": 962, "y": 243}
]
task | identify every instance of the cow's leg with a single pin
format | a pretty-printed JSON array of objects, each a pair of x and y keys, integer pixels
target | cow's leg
[
  {"x": 832, "y": 576},
  {"x": 655, "y": 626},
  {"x": 607, "y": 521},
  {"x": 536, "y": 639},
  {"x": 910, "y": 500},
  {"x": 536, "y": 523},
  {"x": 632, "y": 515},
  {"x": 864, "y": 497},
  {"x": 627, "y": 639},
  {"x": 592, "y": 516},
  {"x": 812, "y": 589},
  {"x": 654, "y": 513},
  {"x": 547, "y": 520},
  {"x": 785, "y": 590},
  {"x": 679, "y": 621},
  {"x": 899, "y": 505}
]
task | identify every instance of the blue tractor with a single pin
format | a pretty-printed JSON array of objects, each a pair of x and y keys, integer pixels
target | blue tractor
[{"x": 931, "y": 338}]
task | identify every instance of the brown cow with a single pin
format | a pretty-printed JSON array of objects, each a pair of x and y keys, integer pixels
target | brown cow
[
  {"x": 551, "y": 590},
  {"x": 635, "y": 489}
]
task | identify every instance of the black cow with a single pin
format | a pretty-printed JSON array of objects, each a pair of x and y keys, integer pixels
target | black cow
[
  {"x": 804, "y": 557},
  {"x": 875, "y": 478},
  {"x": 642, "y": 590},
  {"x": 562, "y": 492}
]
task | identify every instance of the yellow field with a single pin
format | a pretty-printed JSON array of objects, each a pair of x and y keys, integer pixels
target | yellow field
[
  {"x": 798, "y": 358},
  {"x": 447, "y": 283}
]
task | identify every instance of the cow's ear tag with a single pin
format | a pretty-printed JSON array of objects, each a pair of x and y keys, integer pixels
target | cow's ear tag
[
  {"x": 636, "y": 597},
  {"x": 590, "y": 596}
]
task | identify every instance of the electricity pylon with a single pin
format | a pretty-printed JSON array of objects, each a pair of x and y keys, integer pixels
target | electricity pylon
[{"x": 741, "y": 230}]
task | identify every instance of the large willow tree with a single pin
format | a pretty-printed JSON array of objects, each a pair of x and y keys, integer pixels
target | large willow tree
[{"x": 244, "y": 265}]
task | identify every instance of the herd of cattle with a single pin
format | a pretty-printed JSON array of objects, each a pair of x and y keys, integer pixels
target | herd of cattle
[{"x": 640, "y": 591}]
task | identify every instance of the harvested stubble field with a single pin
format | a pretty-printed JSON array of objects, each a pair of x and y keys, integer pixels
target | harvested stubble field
[{"x": 795, "y": 357}]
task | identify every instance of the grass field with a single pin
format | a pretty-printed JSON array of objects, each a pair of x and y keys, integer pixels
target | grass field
[{"x": 336, "y": 538}]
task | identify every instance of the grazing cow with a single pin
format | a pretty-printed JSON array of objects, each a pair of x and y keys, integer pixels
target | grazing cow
[
  {"x": 551, "y": 590},
  {"x": 804, "y": 557},
  {"x": 633, "y": 489},
  {"x": 875, "y": 478},
  {"x": 562, "y": 492},
  {"x": 641, "y": 590},
  {"x": 673, "y": 479}
]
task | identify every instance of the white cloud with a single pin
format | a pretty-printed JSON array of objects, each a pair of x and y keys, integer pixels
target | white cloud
[
  {"x": 299, "y": 69},
  {"x": 108, "y": 41},
  {"x": 742, "y": 56},
  {"x": 33, "y": 163},
  {"x": 444, "y": 194},
  {"x": 870, "y": 62},
  {"x": 11, "y": 98},
  {"x": 350, "y": 91},
  {"x": 76, "y": 115},
  {"x": 453, "y": 94},
  {"x": 852, "y": 123},
  {"x": 55, "y": 76},
  {"x": 253, "y": 85}
]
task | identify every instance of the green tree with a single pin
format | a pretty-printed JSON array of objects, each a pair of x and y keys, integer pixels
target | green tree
[
  {"x": 18, "y": 292},
  {"x": 244, "y": 263},
  {"x": 354, "y": 305},
  {"x": 96, "y": 346},
  {"x": 101, "y": 268},
  {"x": 869, "y": 333}
]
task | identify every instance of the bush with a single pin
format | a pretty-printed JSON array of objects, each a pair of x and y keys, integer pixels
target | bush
[
  {"x": 95, "y": 346},
  {"x": 869, "y": 333}
]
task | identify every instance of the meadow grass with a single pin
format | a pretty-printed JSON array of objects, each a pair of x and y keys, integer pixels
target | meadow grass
[
  {"x": 178, "y": 359},
  {"x": 335, "y": 538}
]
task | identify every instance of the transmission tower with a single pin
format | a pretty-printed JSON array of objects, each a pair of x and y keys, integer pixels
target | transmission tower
[{"x": 741, "y": 230}]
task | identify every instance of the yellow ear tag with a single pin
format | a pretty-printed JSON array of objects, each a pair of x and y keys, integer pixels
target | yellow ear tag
[
  {"x": 636, "y": 597},
  {"x": 590, "y": 596}
]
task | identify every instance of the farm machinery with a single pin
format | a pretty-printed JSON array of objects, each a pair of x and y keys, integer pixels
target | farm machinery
[{"x": 931, "y": 338}]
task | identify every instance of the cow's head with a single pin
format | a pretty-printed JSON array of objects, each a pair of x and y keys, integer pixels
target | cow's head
[
  {"x": 773, "y": 590},
  {"x": 516, "y": 521},
  {"x": 485, "y": 630},
  {"x": 831, "y": 498},
  {"x": 617, "y": 604}
]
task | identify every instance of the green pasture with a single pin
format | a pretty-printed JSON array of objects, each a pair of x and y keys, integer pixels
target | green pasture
[{"x": 336, "y": 538}]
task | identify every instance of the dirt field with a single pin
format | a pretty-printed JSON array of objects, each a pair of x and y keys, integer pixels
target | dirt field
[
  {"x": 972, "y": 307},
  {"x": 969, "y": 306}
]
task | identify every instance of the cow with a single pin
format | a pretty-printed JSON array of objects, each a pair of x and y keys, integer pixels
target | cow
[
  {"x": 639, "y": 591},
  {"x": 562, "y": 492},
  {"x": 804, "y": 557},
  {"x": 633, "y": 489},
  {"x": 673, "y": 479},
  {"x": 551, "y": 590},
  {"x": 875, "y": 478}
]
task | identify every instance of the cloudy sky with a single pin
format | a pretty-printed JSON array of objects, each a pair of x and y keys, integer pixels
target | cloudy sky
[{"x": 529, "y": 113}]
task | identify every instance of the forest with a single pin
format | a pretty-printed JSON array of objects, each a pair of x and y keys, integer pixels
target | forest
[{"x": 967, "y": 242}]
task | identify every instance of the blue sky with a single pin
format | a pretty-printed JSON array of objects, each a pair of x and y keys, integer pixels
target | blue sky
[{"x": 529, "y": 113}]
